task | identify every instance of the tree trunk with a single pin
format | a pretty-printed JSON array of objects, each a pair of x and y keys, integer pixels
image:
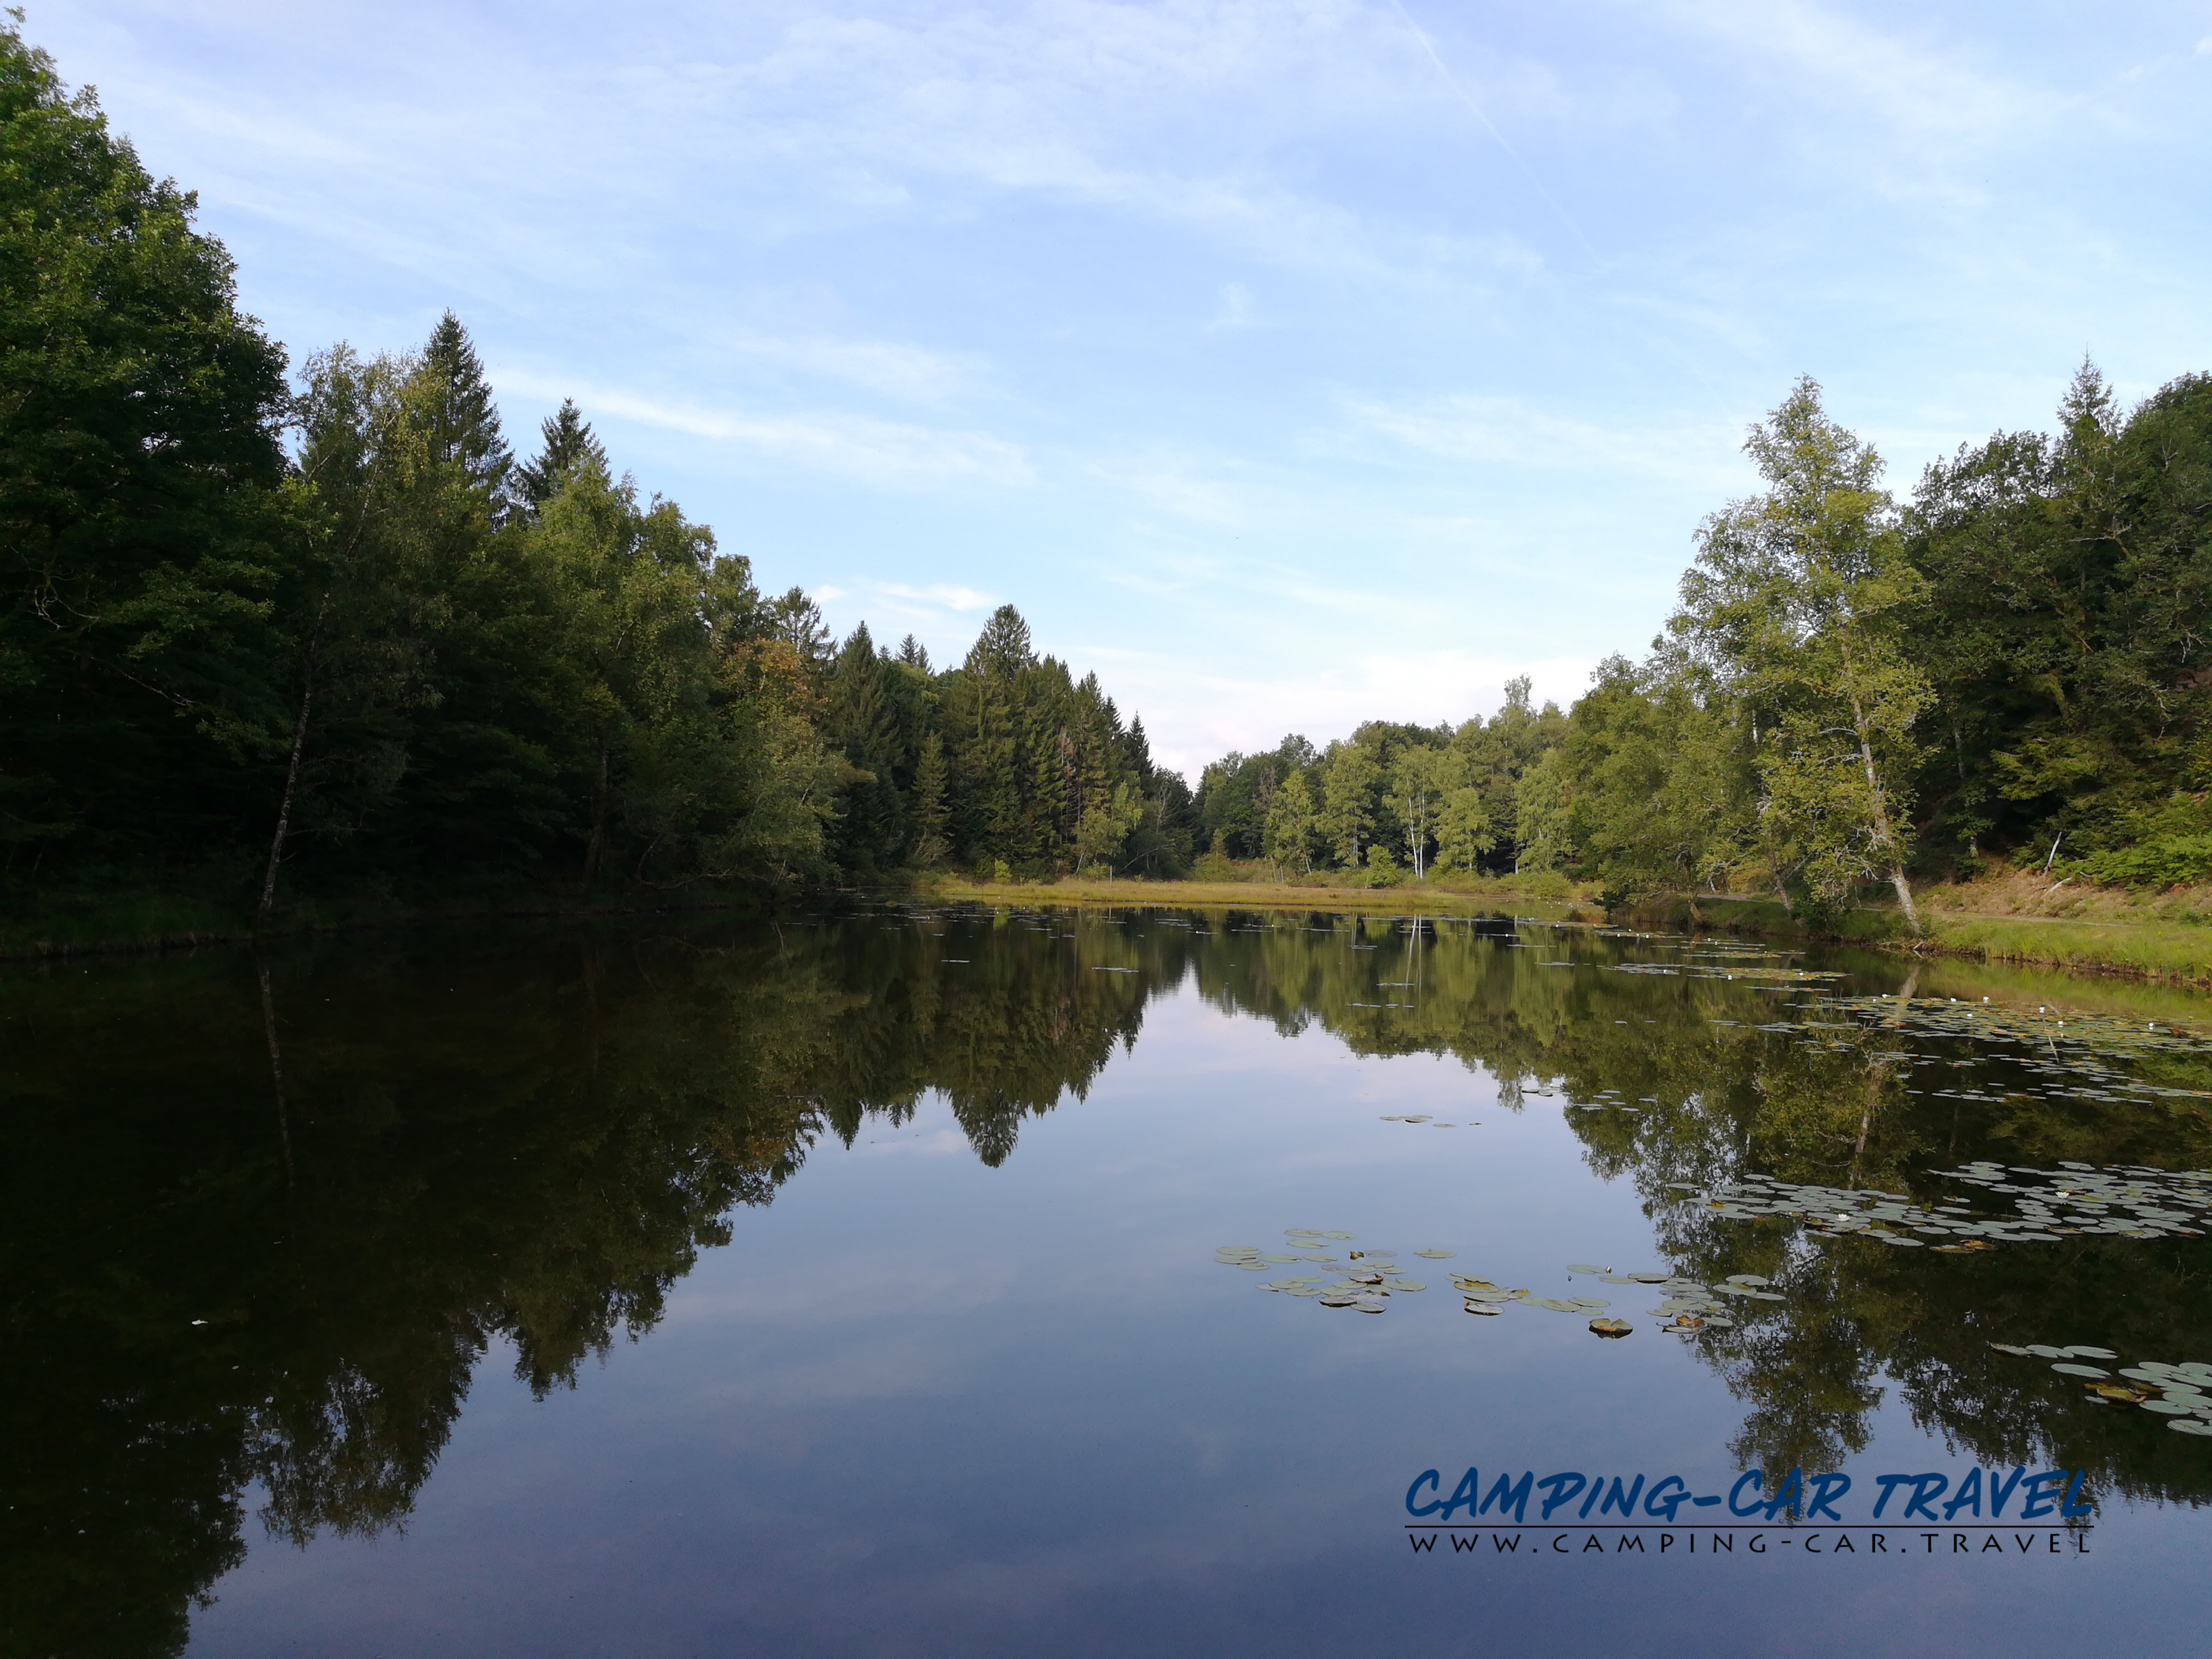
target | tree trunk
[
  {"x": 276, "y": 1073},
  {"x": 291, "y": 788},
  {"x": 598, "y": 841},
  {"x": 1882, "y": 830}
]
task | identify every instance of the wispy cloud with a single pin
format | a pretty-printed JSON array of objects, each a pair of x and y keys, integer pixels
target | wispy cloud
[
  {"x": 850, "y": 446},
  {"x": 911, "y": 373},
  {"x": 1514, "y": 431}
]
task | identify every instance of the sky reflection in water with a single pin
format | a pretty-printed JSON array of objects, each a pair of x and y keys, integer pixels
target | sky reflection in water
[{"x": 848, "y": 1286}]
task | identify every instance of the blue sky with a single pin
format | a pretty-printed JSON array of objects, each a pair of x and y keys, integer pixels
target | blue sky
[{"x": 1287, "y": 364}]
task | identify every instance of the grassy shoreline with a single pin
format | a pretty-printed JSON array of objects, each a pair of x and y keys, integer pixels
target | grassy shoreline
[
  {"x": 2121, "y": 939},
  {"x": 2004, "y": 921},
  {"x": 1256, "y": 896}
]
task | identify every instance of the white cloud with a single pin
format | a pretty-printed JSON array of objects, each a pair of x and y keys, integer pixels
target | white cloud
[
  {"x": 885, "y": 452},
  {"x": 1928, "y": 96},
  {"x": 1195, "y": 715},
  {"x": 1513, "y": 432},
  {"x": 1234, "y": 309},
  {"x": 906, "y": 372}
]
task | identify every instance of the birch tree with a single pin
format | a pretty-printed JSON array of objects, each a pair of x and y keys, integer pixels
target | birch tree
[{"x": 1797, "y": 604}]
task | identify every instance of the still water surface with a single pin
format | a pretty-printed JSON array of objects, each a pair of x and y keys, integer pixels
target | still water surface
[{"x": 848, "y": 1285}]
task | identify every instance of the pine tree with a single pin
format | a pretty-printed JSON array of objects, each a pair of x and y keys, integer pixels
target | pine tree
[
  {"x": 568, "y": 440},
  {"x": 464, "y": 424},
  {"x": 930, "y": 816},
  {"x": 1003, "y": 648},
  {"x": 912, "y": 652}
]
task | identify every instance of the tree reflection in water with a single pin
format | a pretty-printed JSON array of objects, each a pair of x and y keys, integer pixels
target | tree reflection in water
[{"x": 264, "y": 1218}]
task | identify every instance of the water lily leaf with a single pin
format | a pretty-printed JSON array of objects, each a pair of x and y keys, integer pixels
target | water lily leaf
[{"x": 1611, "y": 1327}]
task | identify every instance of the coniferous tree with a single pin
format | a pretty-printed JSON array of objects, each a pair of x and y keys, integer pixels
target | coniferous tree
[
  {"x": 930, "y": 819},
  {"x": 566, "y": 441},
  {"x": 463, "y": 420}
]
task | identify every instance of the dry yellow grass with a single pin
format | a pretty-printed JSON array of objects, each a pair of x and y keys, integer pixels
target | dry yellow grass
[{"x": 1409, "y": 899}]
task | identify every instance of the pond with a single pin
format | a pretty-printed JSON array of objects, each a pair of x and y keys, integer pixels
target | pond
[{"x": 904, "y": 1280}]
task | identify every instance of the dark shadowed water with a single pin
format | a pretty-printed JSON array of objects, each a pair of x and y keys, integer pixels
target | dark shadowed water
[{"x": 850, "y": 1286}]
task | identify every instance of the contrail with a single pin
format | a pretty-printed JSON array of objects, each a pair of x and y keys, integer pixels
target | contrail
[{"x": 1488, "y": 127}]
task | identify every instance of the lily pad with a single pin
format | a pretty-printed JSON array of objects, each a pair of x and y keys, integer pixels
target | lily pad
[
  {"x": 1476, "y": 1306},
  {"x": 2080, "y": 1351},
  {"x": 1611, "y": 1327},
  {"x": 1437, "y": 1255},
  {"x": 2069, "y": 1369},
  {"x": 1553, "y": 1304},
  {"x": 2190, "y": 1425},
  {"x": 1585, "y": 1267}
]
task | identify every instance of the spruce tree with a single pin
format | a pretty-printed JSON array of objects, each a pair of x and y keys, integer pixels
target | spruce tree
[
  {"x": 567, "y": 439},
  {"x": 463, "y": 425},
  {"x": 930, "y": 817},
  {"x": 1003, "y": 648}
]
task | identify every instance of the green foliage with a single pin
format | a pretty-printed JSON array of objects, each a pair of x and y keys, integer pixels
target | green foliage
[
  {"x": 139, "y": 515},
  {"x": 397, "y": 660},
  {"x": 2069, "y": 579},
  {"x": 1797, "y": 608},
  {"x": 1351, "y": 780}
]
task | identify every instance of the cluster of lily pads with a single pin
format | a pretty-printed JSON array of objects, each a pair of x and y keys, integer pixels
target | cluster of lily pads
[
  {"x": 1422, "y": 1117},
  {"x": 2083, "y": 1036},
  {"x": 2181, "y": 1393},
  {"x": 1366, "y": 1279},
  {"x": 1686, "y": 1306},
  {"x": 2130, "y": 1199},
  {"x": 1695, "y": 969},
  {"x": 2127, "y": 1202}
]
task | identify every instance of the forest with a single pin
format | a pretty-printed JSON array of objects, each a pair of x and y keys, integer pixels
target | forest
[
  {"x": 279, "y": 632},
  {"x": 275, "y": 631},
  {"x": 1854, "y": 692}
]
